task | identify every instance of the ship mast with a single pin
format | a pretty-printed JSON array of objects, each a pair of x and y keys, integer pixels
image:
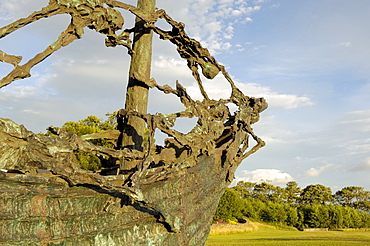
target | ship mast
[{"x": 137, "y": 91}]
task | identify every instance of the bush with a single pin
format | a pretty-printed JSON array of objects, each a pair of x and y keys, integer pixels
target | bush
[
  {"x": 230, "y": 206},
  {"x": 88, "y": 161}
]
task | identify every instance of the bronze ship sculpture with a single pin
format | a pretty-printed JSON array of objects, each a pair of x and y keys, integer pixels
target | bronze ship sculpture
[{"x": 160, "y": 195}]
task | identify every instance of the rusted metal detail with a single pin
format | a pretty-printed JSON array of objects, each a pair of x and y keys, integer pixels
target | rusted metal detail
[{"x": 174, "y": 187}]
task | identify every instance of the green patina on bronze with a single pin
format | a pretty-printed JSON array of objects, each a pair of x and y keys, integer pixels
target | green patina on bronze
[{"x": 160, "y": 195}]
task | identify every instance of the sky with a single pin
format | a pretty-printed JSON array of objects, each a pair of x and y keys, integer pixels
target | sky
[{"x": 309, "y": 59}]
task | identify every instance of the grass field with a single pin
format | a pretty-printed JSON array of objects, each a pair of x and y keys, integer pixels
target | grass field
[{"x": 259, "y": 234}]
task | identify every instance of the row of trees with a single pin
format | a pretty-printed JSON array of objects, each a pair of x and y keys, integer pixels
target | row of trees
[
  {"x": 313, "y": 206},
  {"x": 352, "y": 196}
]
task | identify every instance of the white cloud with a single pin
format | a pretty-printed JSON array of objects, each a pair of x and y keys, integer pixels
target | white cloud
[
  {"x": 24, "y": 91},
  {"x": 346, "y": 44},
  {"x": 264, "y": 175},
  {"x": 169, "y": 63},
  {"x": 274, "y": 99},
  {"x": 229, "y": 32},
  {"x": 226, "y": 1},
  {"x": 31, "y": 111},
  {"x": 250, "y": 10},
  {"x": 315, "y": 172},
  {"x": 287, "y": 101},
  {"x": 220, "y": 88},
  {"x": 248, "y": 19},
  {"x": 20, "y": 8},
  {"x": 364, "y": 166},
  {"x": 358, "y": 120},
  {"x": 256, "y": 48},
  {"x": 236, "y": 12},
  {"x": 355, "y": 128},
  {"x": 208, "y": 20},
  {"x": 272, "y": 140},
  {"x": 18, "y": 92}
]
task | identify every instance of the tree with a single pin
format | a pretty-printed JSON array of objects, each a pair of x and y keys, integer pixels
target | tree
[
  {"x": 310, "y": 219},
  {"x": 292, "y": 192},
  {"x": 268, "y": 192},
  {"x": 274, "y": 212},
  {"x": 352, "y": 217},
  {"x": 251, "y": 208},
  {"x": 336, "y": 216},
  {"x": 229, "y": 206},
  {"x": 353, "y": 196},
  {"x": 245, "y": 189},
  {"x": 292, "y": 216},
  {"x": 92, "y": 124},
  {"x": 316, "y": 194}
]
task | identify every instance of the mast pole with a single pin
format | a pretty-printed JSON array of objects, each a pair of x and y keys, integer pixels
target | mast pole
[{"x": 137, "y": 91}]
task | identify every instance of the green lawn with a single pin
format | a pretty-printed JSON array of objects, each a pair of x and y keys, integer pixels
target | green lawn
[{"x": 269, "y": 236}]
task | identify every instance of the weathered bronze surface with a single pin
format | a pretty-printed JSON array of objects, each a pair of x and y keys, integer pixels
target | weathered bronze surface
[{"x": 163, "y": 195}]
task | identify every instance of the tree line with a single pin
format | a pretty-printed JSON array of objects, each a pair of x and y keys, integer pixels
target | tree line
[{"x": 315, "y": 206}]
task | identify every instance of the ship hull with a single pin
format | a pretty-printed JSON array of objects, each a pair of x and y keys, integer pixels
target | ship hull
[{"x": 44, "y": 210}]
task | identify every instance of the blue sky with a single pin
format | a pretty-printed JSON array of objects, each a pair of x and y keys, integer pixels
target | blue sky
[{"x": 309, "y": 59}]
